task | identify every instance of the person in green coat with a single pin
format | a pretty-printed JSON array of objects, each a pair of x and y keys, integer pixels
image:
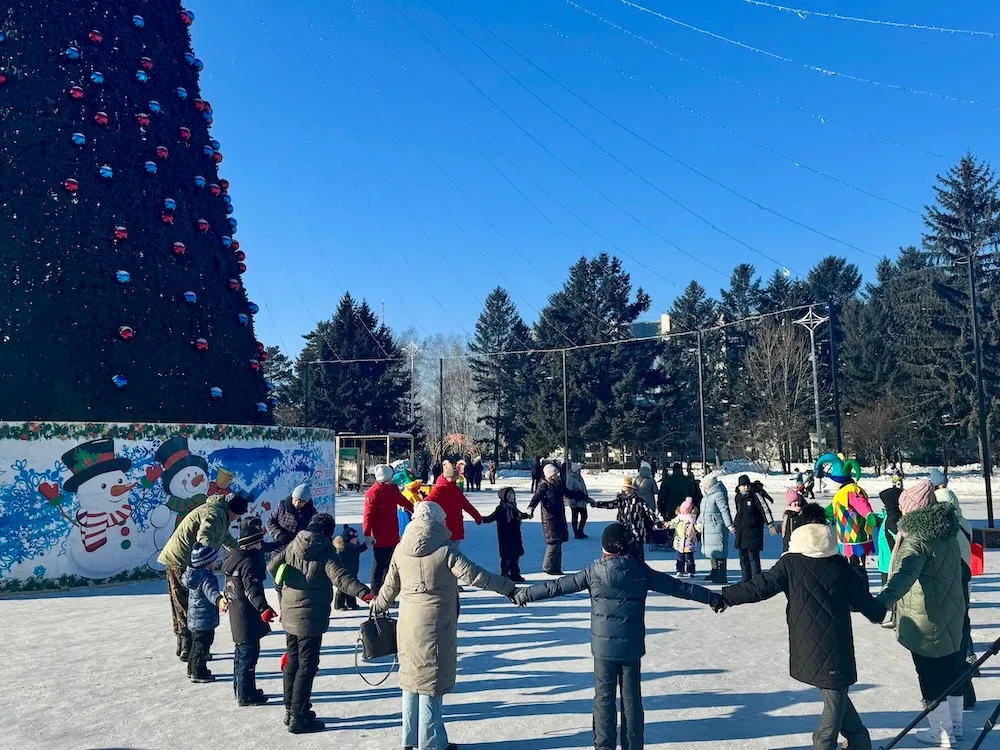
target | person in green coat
[{"x": 925, "y": 586}]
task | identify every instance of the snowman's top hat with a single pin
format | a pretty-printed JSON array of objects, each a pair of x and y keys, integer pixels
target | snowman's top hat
[
  {"x": 174, "y": 456},
  {"x": 91, "y": 459}
]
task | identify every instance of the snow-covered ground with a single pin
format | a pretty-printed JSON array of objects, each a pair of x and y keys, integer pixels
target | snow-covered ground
[{"x": 97, "y": 669}]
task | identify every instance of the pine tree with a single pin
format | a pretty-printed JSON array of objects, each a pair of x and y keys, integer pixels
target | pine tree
[
  {"x": 738, "y": 303},
  {"x": 279, "y": 371},
  {"x": 499, "y": 380},
  {"x": 120, "y": 289},
  {"x": 341, "y": 390}
]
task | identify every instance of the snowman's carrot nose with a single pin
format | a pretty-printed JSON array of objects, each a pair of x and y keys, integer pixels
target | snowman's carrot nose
[
  {"x": 121, "y": 489},
  {"x": 199, "y": 478}
]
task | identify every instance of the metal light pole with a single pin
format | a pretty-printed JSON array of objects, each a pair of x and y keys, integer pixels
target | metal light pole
[
  {"x": 701, "y": 407},
  {"x": 441, "y": 405},
  {"x": 984, "y": 436},
  {"x": 811, "y": 321},
  {"x": 832, "y": 309},
  {"x": 413, "y": 350},
  {"x": 565, "y": 410}
]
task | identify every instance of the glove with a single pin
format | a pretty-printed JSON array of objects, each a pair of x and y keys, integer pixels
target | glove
[
  {"x": 717, "y": 603},
  {"x": 517, "y": 598},
  {"x": 368, "y": 598},
  {"x": 268, "y": 615}
]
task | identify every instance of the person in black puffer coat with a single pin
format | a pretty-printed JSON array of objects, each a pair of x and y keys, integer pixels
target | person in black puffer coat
[
  {"x": 508, "y": 520},
  {"x": 292, "y": 516},
  {"x": 752, "y": 515},
  {"x": 249, "y": 613},
  {"x": 822, "y": 591},
  {"x": 618, "y": 585},
  {"x": 552, "y": 494}
]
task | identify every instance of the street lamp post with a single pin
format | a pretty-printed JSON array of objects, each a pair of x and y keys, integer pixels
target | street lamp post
[
  {"x": 412, "y": 350},
  {"x": 811, "y": 321}
]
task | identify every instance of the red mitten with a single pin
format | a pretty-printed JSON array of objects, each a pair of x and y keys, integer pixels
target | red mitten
[
  {"x": 368, "y": 598},
  {"x": 153, "y": 473},
  {"x": 284, "y": 661},
  {"x": 268, "y": 615},
  {"x": 50, "y": 491}
]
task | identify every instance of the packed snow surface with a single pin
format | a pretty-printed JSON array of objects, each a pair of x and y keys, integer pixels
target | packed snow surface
[{"x": 96, "y": 669}]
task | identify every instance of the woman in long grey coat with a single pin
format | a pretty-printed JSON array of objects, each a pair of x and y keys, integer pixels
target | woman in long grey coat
[
  {"x": 424, "y": 573},
  {"x": 715, "y": 524}
]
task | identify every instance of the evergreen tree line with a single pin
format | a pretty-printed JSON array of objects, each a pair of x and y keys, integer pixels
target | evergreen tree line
[{"x": 905, "y": 358}]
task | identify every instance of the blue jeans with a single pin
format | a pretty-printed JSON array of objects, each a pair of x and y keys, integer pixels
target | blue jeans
[
  {"x": 245, "y": 657},
  {"x": 423, "y": 722}
]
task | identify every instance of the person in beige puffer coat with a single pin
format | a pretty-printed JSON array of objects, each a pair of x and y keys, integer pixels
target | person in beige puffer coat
[{"x": 424, "y": 573}]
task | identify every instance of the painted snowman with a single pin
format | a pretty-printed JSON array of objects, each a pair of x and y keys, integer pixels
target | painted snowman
[
  {"x": 106, "y": 541},
  {"x": 185, "y": 479}
]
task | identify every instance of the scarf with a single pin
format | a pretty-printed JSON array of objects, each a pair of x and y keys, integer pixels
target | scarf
[{"x": 94, "y": 526}]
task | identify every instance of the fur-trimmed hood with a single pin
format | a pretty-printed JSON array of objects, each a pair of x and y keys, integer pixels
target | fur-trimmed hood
[
  {"x": 939, "y": 521},
  {"x": 814, "y": 540}
]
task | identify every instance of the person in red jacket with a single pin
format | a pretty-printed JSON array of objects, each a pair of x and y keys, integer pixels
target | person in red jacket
[
  {"x": 381, "y": 523},
  {"x": 450, "y": 497}
]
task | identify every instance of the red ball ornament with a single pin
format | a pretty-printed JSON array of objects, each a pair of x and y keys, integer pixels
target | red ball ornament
[
  {"x": 234, "y": 285},
  {"x": 236, "y": 245},
  {"x": 224, "y": 184},
  {"x": 242, "y": 267},
  {"x": 121, "y": 233},
  {"x": 217, "y": 157},
  {"x": 240, "y": 256},
  {"x": 101, "y": 118},
  {"x": 3, "y": 79},
  {"x": 162, "y": 152},
  {"x": 96, "y": 36},
  {"x": 203, "y": 225},
  {"x": 215, "y": 190},
  {"x": 199, "y": 105},
  {"x": 146, "y": 64},
  {"x": 125, "y": 333},
  {"x": 185, "y": 134},
  {"x": 168, "y": 218},
  {"x": 260, "y": 347},
  {"x": 179, "y": 248},
  {"x": 187, "y": 18},
  {"x": 71, "y": 185},
  {"x": 201, "y": 345},
  {"x": 143, "y": 119},
  {"x": 254, "y": 365},
  {"x": 76, "y": 92},
  {"x": 263, "y": 356}
]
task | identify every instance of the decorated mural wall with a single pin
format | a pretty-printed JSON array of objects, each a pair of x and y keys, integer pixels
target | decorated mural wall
[{"x": 83, "y": 503}]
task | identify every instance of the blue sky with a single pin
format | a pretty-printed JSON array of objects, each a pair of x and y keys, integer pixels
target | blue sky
[{"x": 362, "y": 159}]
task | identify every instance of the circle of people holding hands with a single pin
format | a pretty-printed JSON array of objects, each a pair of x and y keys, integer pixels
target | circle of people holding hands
[{"x": 416, "y": 534}]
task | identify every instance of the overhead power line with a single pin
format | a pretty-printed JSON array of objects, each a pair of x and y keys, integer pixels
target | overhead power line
[
  {"x": 802, "y": 13},
  {"x": 808, "y": 66}
]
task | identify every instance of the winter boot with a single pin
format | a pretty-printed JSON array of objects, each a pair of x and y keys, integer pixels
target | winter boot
[
  {"x": 969, "y": 699},
  {"x": 713, "y": 574},
  {"x": 309, "y": 713},
  {"x": 957, "y": 721},
  {"x": 257, "y": 699},
  {"x": 940, "y": 732},
  {"x": 304, "y": 721},
  {"x": 201, "y": 675},
  {"x": 185, "y": 646}
]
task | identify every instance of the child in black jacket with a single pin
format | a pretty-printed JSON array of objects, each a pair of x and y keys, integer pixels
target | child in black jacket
[
  {"x": 822, "y": 591},
  {"x": 508, "y": 519},
  {"x": 350, "y": 549},
  {"x": 249, "y": 613}
]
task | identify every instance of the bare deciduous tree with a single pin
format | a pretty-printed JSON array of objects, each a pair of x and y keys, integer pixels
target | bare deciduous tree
[{"x": 877, "y": 432}]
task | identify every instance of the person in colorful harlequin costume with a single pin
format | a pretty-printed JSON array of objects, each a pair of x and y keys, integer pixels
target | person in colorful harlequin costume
[{"x": 850, "y": 512}]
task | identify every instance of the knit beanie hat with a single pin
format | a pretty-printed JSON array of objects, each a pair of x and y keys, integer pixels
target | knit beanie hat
[
  {"x": 793, "y": 498},
  {"x": 550, "y": 471},
  {"x": 813, "y": 513},
  {"x": 321, "y": 523},
  {"x": 238, "y": 505},
  {"x": 251, "y": 532},
  {"x": 302, "y": 492},
  {"x": 430, "y": 512},
  {"x": 709, "y": 481},
  {"x": 686, "y": 508},
  {"x": 744, "y": 481},
  {"x": 917, "y": 497},
  {"x": 448, "y": 470},
  {"x": 939, "y": 478},
  {"x": 383, "y": 473},
  {"x": 615, "y": 540},
  {"x": 202, "y": 556}
]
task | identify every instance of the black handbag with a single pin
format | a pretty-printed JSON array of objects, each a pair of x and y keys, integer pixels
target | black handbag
[{"x": 376, "y": 640}]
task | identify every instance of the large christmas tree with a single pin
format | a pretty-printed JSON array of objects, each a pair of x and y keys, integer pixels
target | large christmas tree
[{"x": 120, "y": 279}]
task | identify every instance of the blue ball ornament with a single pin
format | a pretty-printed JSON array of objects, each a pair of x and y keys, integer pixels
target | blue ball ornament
[
  {"x": 141, "y": 76},
  {"x": 79, "y": 139},
  {"x": 198, "y": 65},
  {"x": 199, "y": 181},
  {"x": 72, "y": 53},
  {"x": 106, "y": 172},
  {"x": 207, "y": 150},
  {"x": 120, "y": 381},
  {"x": 227, "y": 199},
  {"x": 154, "y": 107},
  {"x": 189, "y": 58},
  {"x": 215, "y": 144},
  {"x": 229, "y": 208},
  {"x": 254, "y": 308},
  {"x": 97, "y": 78},
  {"x": 3, "y": 37},
  {"x": 182, "y": 92},
  {"x": 151, "y": 167},
  {"x": 233, "y": 224},
  {"x": 269, "y": 384},
  {"x": 138, "y": 21},
  {"x": 273, "y": 402},
  {"x": 261, "y": 406},
  {"x": 123, "y": 277},
  {"x": 227, "y": 241},
  {"x": 216, "y": 392},
  {"x": 207, "y": 114},
  {"x": 243, "y": 319},
  {"x": 190, "y": 297},
  {"x": 169, "y": 204}
]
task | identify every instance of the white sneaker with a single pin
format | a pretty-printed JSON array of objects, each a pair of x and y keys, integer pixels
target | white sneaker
[
  {"x": 956, "y": 705},
  {"x": 940, "y": 732}
]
